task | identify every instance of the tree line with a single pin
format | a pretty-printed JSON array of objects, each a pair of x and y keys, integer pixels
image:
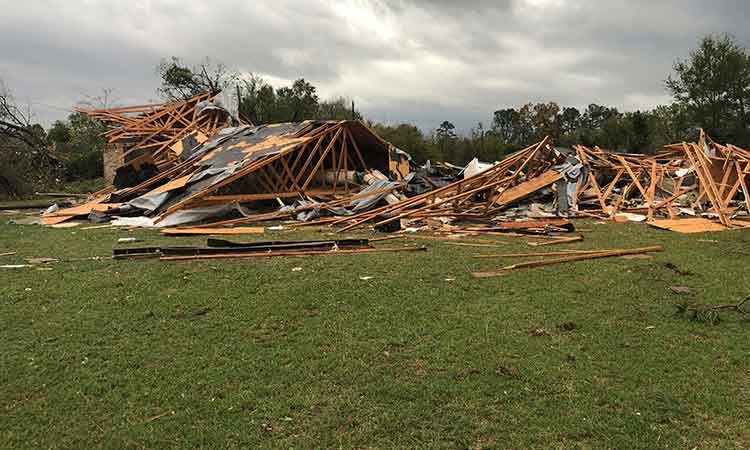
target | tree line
[{"x": 710, "y": 90}]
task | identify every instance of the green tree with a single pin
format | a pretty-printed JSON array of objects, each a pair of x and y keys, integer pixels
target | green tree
[
  {"x": 505, "y": 124},
  {"x": 639, "y": 131},
  {"x": 445, "y": 138},
  {"x": 297, "y": 102},
  {"x": 78, "y": 141},
  {"x": 339, "y": 108},
  {"x": 408, "y": 138},
  {"x": 257, "y": 100},
  {"x": 180, "y": 81},
  {"x": 671, "y": 124},
  {"x": 545, "y": 120},
  {"x": 714, "y": 85}
]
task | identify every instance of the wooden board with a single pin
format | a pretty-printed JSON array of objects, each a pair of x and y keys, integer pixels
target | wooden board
[
  {"x": 692, "y": 225},
  {"x": 177, "y": 183},
  {"x": 83, "y": 209},
  {"x": 208, "y": 231},
  {"x": 527, "y": 187}
]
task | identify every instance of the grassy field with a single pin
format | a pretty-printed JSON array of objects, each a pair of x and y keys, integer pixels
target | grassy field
[{"x": 249, "y": 354}]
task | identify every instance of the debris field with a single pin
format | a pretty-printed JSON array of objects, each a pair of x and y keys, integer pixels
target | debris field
[{"x": 191, "y": 168}]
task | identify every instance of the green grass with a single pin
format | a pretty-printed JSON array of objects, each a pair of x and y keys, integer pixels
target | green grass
[
  {"x": 247, "y": 354},
  {"x": 84, "y": 186}
]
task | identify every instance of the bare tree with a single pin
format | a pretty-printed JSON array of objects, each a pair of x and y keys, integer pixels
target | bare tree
[
  {"x": 15, "y": 123},
  {"x": 105, "y": 100}
]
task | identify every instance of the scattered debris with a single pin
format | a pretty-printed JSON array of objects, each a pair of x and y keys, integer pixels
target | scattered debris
[
  {"x": 676, "y": 269},
  {"x": 127, "y": 240},
  {"x": 218, "y": 248},
  {"x": 711, "y": 314},
  {"x": 681, "y": 290},
  {"x": 8, "y": 254}
]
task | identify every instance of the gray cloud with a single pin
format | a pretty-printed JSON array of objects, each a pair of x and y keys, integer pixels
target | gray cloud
[{"x": 402, "y": 60}]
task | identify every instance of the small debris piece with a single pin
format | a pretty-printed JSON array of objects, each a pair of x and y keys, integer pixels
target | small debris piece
[
  {"x": 127, "y": 240},
  {"x": 66, "y": 225},
  {"x": 508, "y": 372},
  {"x": 14, "y": 266},
  {"x": 8, "y": 254},
  {"x": 296, "y": 269},
  {"x": 367, "y": 278},
  {"x": 681, "y": 290},
  {"x": 539, "y": 332},
  {"x": 42, "y": 260},
  {"x": 567, "y": 326},
  {"x": 676, "y": 269}
]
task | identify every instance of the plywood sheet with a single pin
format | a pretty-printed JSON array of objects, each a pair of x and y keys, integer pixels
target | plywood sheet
[{"x": 693, "y": 225}]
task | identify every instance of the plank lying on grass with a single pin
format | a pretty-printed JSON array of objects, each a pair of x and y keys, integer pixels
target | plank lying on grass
[
  {"x": 548, "y": 262},
  {"x": 565, "y": 240},
  {"x": 294, "y": 253},
  {"x": 208, "y": 231},
  {"x": 531, "y": 255}
]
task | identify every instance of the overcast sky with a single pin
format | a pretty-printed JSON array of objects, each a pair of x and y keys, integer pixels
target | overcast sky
[{"x": 411, "y": 61}]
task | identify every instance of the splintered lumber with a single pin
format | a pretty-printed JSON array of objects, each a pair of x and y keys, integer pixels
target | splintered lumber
[
  {"x": 475, "y": 194},
  {"x": 573, "y": 258},
  {"x": 527, "y": 188},
  {"x": 185, "y": 231},
  {"x": 532, "y": 255},
  {"x": 296, "y": 253},
  {"x": 564, "y": 240},
  {"x": 8, "y": 254},
  {"x": 538, "y": 223},
  {"x": 159, "y": 128}
]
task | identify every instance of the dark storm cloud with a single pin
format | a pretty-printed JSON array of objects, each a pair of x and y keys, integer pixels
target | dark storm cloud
[{"x": 402, "y": 60}]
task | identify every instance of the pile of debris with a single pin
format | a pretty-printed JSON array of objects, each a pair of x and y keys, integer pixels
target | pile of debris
[
  {"x": 344, "y": 162},
  {"x": 191, "y": 162},
  {"x": 688, "y": 179}
]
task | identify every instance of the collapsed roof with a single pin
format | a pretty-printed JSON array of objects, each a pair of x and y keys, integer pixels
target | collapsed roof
[{"x": 254, "y": 163}]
